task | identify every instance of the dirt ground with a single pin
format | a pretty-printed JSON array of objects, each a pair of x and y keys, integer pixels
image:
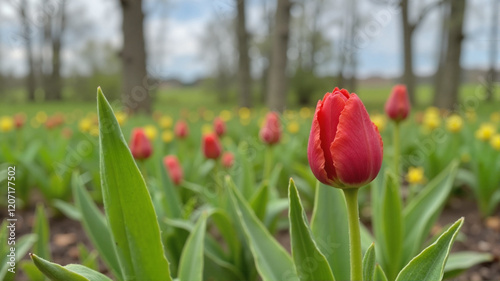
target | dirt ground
[{"x": 480, "y": 234}]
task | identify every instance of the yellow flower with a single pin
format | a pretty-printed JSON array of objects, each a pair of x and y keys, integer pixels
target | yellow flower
[
  {"x": 293, "y": 127},
  {"x": 485, "y": 131},
  {"x": 305, "y": 112},
  {"x": 121, "y": 117},
  {"x": 244, "y": 113},
  {"x": 415, "y": 175},
  {"x": 206, "y": 129},
  {"x": 454, "y": 123},
  {"x": 166, "y": 122},
  {"x": 495, "y": 142},
  {"x": 150, "y": 131},
  {"x": 85, "y": 125},
  {"x": 6, "y": 123},
  {"x": 226, "y": 115},
  {"x": 380, "y": 121},
  {"x": 495, "y": 117},
  {"x": 208, "y": 115},
  {"x": 432, "y": 118},
  {"x": 167, "y": 136},
  {"x": 41, "y": 117}
]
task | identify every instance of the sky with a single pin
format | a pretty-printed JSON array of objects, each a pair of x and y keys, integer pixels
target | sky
[{"x": 175, "y": 28}]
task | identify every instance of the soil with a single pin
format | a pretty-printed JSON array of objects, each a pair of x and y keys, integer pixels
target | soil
[{"x": 480, "y": 234}]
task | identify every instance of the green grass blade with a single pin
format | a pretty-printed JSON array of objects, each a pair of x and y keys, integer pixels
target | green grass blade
[
  {"x": 330, "y": 229},
  {"x": 459, "y": 262},
  {"x": 128, "y": 205},
  {"x": 369, "y": 263},
  {"x": 430, "y": 263},
  {"x": 191, "y": 263},
  {"x": 41, "y": 229},
  {"x": 379, "y": 274},
  {"x": 72, "y": 272},
  {"x": 304, "y": 248}
]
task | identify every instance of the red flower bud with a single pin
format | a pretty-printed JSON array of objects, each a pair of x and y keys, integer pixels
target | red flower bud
[
  {"x": 140, "y": 146},
  {"x": 227, "y": 159},
  {"x": 181, "y": 129},
  {"x": 211, "y": 146},
  {"x": 174, "y": 168},
  {"x": 219, "y": 126},
  {"x": 19, "y": 120},
  {"x": 270, "y": 133},
  {"x": 398, "y": 105},
  {"x": 345, "y": 147}
]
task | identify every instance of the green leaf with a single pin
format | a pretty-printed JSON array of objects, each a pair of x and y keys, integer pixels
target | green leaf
[
  {"x": 271, "y": 259},
  {"x": 430, "y": 263},
  {"x": 330, "y": 229},
  {"x": 459, "y": 262},
  {"x": 71, "y": 272},
  {"x": 22, "y": 246},
  {"x": 67, "y": 209},
  {"x": 171, "y": 202},
  {"x": 95, "y": 225},
  {"x": 391, "y": 227},
  {"x": 424, "y": 210},
  {"x": 369, "y": 263},
  {"x": 304, "y": 249},
  {"x": 41, "y": 229},
  {"x": 259, "y": 201},
  {"x": 191, "y": 264},
  {"x": 128, "y": 205},
  {"x": 379, "y": 274}
]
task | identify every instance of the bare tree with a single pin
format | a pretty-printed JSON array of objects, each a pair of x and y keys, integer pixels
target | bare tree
[
  {"x": 245, "y": 83},
  {"x": 493, "y": 52},
  {"x": 28, "y": 44},
  {"x": 447, "y": 95},
  {"x": 135, "y": 89},
  {"x": 276, "y": 95}
]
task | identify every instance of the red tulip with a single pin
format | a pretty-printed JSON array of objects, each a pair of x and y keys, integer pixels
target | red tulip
[
  {"x": 398, "y": 105},
  {"x": 211, "y": 146},
  {"x": 174, "y": 169},
  {"x": 140, "y": 146},
  {"x": 19, "y": 120},
  {"x": 227, "y": 159},
  {"x": 345, "y": 147},
  {"x": 270, "y": 133},
  {"x": 181, "y": 129},
  {"x": 219, "y": 126}
]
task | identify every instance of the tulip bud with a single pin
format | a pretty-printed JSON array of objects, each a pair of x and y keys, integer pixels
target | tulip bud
[
  {"x": 398, "y": 105},
  {"x": 345, "y": 147},
  {"x": 219, "y": 126},
  {"x": 211, "y": 146},
  {"x": 174, "y": 168},
  {"x": 181, "y": 129},
  {"x": 270, "y": 133},
  {"x": 140, "y": 146},
  {"x": 19, "y": 120},
  {"x": 227, "y": 160}
]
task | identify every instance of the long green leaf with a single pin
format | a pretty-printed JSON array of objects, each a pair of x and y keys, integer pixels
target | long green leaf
[
  {"x": 379, "y": 274},
  {"x": 459, "y": 262},
  {"x": 369, "y": 263},
  {"x": 272, "y": 261},
  {"x": 94, "y": 224},
  {"x": 128, "y": 205},
  {"x": 71, "y": 272},
  {"x": 330, "y": 229},
  {"x": 304, "y": 248},
  {"x": 191, "y": 264},
  {"x": 41, "y": 229},
  {"x": 429, "y": 264},
  {"x": 258, "y": 202},
  {"x": 424, "y": 210}
]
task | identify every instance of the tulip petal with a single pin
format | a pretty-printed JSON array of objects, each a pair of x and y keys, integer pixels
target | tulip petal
[
  {"x": 315, "y": 154},
  {"x": 357, "y": 149}
]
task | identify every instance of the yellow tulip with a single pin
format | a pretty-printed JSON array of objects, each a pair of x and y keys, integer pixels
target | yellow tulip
[
  {"x": 226, "y": 115},
  {"x": 6, "y": 123},
  {"x": 415, "y": 175},
  {"x": 150, "y": 131},
  {"x": 293, "y": 127},
  {"x": 85, "y": 125},
  {"x": 495, "y": 142},
  {"x": 380, "y": 121},
  {"x": 167, "y": 136},
  {"x": 454, "y": 123},
  {"x": 166, "y": 122},
  {"x": 485, "y": 131}
]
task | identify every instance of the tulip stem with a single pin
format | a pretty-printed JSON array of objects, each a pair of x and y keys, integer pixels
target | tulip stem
[
  {"x": 268, "y": 162},
  {"x": 396, "y": 143},
  {"x": 351, "y": 198}
]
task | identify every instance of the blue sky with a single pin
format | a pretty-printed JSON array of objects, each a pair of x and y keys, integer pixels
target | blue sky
[{"x": 174, "y": 30}]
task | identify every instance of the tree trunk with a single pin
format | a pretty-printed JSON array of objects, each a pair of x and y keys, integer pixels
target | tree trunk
[
  {"x": 46, "y": 53},
  {"x": 438, "y": 82},
  {"x": 245, "y": 86},
  {"x": 448, "y": 97},
  {"x": 135, "y": 87},
  {"x": 30, "y": 79},
  {"x": 55, "y": 79},
  {"x": 492, "y": 74},
  {"x": 408, "y": 74},
  {"x": 276, "y": 95}
]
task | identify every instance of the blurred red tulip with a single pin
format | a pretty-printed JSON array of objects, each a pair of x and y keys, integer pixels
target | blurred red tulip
[
  {"x": 174, "y": 168},
  {"x": 227, "y": 159},
  {"x": 19, "y": 120},
  {"x": 398, "y": 105},
  {"x": 211, "y": 146},
  {"x": 140, "y": 146},
  {"x": 67, "y": 133},
  {"x": 181, "y": 129},
  {"x": 219, "y": 126},
  {"x": 270, "y": 133},
  {"x": 345, "y": 147}
]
